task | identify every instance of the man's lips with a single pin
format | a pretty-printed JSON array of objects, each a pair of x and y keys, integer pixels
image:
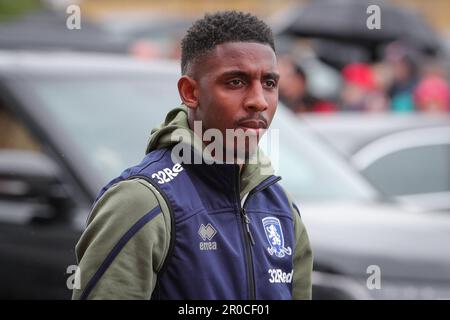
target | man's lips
[{"x": 253, "y": 124}]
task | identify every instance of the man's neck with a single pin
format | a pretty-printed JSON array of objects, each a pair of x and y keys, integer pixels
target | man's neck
[{"x": 191, "y": 125}]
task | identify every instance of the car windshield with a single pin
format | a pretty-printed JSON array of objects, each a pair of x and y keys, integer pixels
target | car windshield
[
  {"x": 110, "y": 119},
  {"x": 309, "y": 169}
]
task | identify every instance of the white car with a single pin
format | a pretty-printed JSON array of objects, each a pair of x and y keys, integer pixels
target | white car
[{"x": 406, "y": 157}]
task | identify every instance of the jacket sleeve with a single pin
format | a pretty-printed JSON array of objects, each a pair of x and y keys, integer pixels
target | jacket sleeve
[
  {"x": 125, "y": 243},
  {"x": 302, "y": 260}
]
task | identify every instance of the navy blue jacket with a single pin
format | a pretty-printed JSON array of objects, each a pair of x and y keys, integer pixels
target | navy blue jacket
[{"x": 222, "y": 247}]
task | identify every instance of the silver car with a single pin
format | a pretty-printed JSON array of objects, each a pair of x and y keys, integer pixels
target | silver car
[{"x": 406, "y": 157}]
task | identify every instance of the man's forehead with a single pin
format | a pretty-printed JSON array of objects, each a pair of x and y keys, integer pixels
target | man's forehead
[
  {"x": 243, "y": 49},
  {"x": 245, "y": 56}
]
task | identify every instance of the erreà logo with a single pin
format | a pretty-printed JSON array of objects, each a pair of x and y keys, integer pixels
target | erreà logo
[{"x": 207, "y": 233}]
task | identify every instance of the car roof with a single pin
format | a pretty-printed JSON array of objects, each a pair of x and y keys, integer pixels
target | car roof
[
  {"x": 349, "y": 132},
  {"x": 405, "y": 139},
  {"x": 24, "y": 62}
]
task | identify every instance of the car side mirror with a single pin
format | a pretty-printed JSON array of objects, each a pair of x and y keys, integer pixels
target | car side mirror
[{"x": 34, "y": 178}]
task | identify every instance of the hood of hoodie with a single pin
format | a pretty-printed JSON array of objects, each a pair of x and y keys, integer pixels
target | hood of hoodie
[{"x": 252, "y": 173}]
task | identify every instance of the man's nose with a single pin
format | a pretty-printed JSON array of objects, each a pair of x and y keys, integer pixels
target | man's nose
[{"x": 255, "y": 99}]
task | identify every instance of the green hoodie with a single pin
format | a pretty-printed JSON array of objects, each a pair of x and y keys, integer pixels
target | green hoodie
[{"x": 133, "y": 273}]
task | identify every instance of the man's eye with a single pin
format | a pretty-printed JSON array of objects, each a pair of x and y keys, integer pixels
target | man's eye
[
  {"x": 270, "y": 84},
  {"x": 236, "y": 83}
]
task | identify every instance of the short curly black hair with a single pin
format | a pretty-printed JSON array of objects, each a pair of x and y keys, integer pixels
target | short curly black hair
[{"x": 222, "y": 27}]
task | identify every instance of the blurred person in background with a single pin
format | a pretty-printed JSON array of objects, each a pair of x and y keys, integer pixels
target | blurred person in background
[
  {"x": 405, "y": 73},
  {"x": 293, "y": 89},
  {"x": 382, "y": 78},
  {"x": 360, "y": 91},
  {"x": 432, "y": 94}
]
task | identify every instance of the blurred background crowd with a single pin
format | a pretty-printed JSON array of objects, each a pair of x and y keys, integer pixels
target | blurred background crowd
[{"x": 327, "y": 65}]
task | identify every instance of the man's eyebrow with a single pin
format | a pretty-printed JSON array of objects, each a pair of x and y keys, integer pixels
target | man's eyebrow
[
  {"x": 271, "y": 75},
  {"x": 242, "y": 74},
  {"x": 235, "y": 73}
]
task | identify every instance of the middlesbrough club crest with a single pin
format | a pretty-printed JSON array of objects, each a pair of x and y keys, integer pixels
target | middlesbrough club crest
[{"x": 274, "y": 235}]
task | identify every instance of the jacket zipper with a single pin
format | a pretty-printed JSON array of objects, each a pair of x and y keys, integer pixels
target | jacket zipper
[{"x": 247, "y": 234}]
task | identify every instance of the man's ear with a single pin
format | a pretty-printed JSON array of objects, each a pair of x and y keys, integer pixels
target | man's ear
[{"x": 188, "y": 90}]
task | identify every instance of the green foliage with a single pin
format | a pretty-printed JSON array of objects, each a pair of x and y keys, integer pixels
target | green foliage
[{"x": 9, "y": 9}]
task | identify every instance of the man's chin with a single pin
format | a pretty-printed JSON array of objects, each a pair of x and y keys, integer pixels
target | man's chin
[
  {"x": 240, "y": 145},
  {"x": 242, "y": 155},
  {"x": 258, "y": 132}
]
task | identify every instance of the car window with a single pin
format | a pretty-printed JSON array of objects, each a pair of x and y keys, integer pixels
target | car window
[
  {"x": 15, "y": 141},
  {"x": 13, "y": 135},
  {"x": 109, "y": 118},
  {"x": 423, "y": 169}
]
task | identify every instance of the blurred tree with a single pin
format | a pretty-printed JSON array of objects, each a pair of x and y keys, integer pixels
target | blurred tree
[{"x": 10, "y": 9}]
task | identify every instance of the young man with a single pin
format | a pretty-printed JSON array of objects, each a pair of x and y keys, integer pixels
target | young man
[{"x": 172, "y": 228}]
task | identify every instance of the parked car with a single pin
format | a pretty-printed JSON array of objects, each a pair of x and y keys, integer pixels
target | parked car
[
  {"x": 411, "y": 165},
  {"x": 73, "y": 121},
  {"x": 406, "y": 157},
  {"x": 68, "y": 122}
]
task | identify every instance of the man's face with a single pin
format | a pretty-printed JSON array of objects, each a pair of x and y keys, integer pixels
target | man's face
[{"x": 237, "y": 88}]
